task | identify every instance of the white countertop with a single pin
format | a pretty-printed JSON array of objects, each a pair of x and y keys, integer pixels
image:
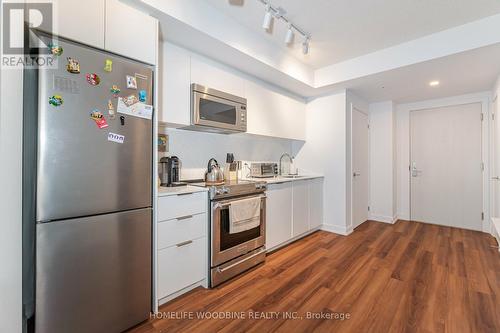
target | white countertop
[
  {"x": 166, "y": 191},
  {"x": 279, "y": 179}
]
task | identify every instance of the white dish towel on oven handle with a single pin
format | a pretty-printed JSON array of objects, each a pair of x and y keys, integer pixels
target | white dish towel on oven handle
[{"x": 244, "y": 215}]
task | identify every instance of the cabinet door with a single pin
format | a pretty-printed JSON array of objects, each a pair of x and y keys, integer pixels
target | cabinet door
[
  {"x": 82, "y": 22},
  {"x": 315, "y": 202},
  {"x": 175, "y": 82},
  {"x": 213, "y": 75},
  {"x": 300, "y": 207},
  {"x": 274, "y": 114},
  {"x": 180, "y": 266},
  {"x": 278, "y": 214},
  {"x": 130, "y": 32}
]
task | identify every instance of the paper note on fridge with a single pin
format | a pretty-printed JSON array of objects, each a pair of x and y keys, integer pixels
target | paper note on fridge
[{"x": 137, "y": 109}]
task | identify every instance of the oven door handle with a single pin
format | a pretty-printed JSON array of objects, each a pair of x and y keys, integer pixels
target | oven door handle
[
  {"x": 220, "y": 270},
  {"x": 227, "y": 203}
]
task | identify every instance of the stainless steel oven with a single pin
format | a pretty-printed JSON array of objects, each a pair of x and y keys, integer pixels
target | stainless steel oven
[
  {"x": 235, "y": 253},
  {"x": 216, "y": 111}
]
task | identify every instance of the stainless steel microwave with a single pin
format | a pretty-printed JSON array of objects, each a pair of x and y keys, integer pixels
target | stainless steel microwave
[{"x": 216, "y": 111}]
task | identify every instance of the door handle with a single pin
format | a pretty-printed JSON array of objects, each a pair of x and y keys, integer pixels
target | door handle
[
  {"x": 356, "y": 174},
  {"x": 414, "y": 171},
  {"x": 495, "y": 178}
]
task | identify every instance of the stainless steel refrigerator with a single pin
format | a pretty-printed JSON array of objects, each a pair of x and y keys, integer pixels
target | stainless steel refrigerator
[{"x": 89, "y": 133}]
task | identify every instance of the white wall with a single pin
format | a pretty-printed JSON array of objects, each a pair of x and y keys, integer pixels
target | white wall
[
  {"x": 325, "y": 152},
  {"x": 383, "y": 162},
  {"x": 10, "y": 200},
  {"x": 403, "y": 147},
  {"x": 196, "y": 148}
]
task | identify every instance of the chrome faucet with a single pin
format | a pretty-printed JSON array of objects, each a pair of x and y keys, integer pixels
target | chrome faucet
[{"x": 290, "y": 159}]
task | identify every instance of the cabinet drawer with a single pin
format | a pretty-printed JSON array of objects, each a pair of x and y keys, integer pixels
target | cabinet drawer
[
  {"x": 181, "y": 266},
  {"x": 174, "y": 206},
  {"x": 176, "y": 231}
]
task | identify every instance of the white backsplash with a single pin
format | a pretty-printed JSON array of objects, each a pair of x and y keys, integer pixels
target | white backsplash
[{"x": 194, "y": 149}]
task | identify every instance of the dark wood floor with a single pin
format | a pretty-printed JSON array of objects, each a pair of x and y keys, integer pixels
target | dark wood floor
[{"x": 405, "y": 277}]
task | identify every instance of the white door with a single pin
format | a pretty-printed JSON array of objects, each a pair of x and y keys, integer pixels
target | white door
[
  {"x": 359, "y": 167},
  {"x": 446, "y": 166},
  {"x": 495, "y": 170}
]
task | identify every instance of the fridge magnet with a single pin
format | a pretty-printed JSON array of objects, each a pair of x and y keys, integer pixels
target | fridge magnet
[
  {"x": 115, "y": 90},
  {"x": 130, "y": 100},
  {"x": 56, "y": 100},
  {"x": 111, "y": 110},
  {"x": 93, "y": 79},
  {"x": 55, "y": 50},
  {"x": 142, "y": 96},
  {"x": 98, "y": 118},
  {"x": 108, "y": 65},
  {"x": 131, "y": 82},
  {"x": 113, "y": 137},
  {"x": 73, "y": 66}
]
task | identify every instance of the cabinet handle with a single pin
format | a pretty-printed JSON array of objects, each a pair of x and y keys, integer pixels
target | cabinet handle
[
  {"x": 184, "y": 217},
  {"x": 188, "y": 193},
  {"x": 184, "y": 243}
]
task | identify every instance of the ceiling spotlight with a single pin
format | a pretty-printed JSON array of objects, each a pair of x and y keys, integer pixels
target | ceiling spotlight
[
  {"x": 434, "y": 83},
  {"x": 305, "y": 46},
  {"x": 268, "y": 18},
  {"x": 289, "y": 35}
]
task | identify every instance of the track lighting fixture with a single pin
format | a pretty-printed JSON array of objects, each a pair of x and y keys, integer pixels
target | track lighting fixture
[
  {"x": 289, "y": 35},
  {"x": 279, "y": 13},
  {"x": 305, "y": 46},
  {"x": 268, "y": 18}
]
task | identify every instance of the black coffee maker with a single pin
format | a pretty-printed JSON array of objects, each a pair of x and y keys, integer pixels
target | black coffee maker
[{"x": 169, "y": 170}]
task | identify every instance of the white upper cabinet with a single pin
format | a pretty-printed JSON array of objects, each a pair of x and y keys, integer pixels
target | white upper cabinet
[
  {"x": 129, "y": 32},
  {"x": 175, "y": 79},
  {"x": 80, "y": 21},
  {"x": 269, "y": 113},
  {"x": 300, "y": 207},
  {"x": 214, "y": 75},
  {"x": 274, "y": 114},
  {"x": 278, "y": 214}
]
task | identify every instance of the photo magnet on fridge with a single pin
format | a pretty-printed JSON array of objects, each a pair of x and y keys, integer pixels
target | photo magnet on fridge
[
  {"x": 131, "y": 82},
  {"x": 98, "y": 118}
]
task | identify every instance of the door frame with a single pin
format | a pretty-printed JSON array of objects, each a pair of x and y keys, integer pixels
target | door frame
[
  {"x": 351, "y": 226},
  {"x": 483, "y": 99}
]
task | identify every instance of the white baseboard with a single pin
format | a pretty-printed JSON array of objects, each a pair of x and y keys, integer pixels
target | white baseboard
[
  {"x": 383, "y": 218},
  {"x": 337, "y": 229}
]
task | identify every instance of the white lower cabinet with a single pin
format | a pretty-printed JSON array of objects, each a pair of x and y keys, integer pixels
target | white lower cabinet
[
  {"x": 278, "y": 214},
  {"x": 293, "y": 209},
  {"x": 180, "y": 266},
  {"x": 181, "y": 243},
  {"x": 300, "y": 216}
]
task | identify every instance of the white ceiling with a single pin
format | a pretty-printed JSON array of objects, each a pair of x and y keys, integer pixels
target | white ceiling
[
  {"x": 463, "y": 73},
  {"x": 344, "y": 29}
]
